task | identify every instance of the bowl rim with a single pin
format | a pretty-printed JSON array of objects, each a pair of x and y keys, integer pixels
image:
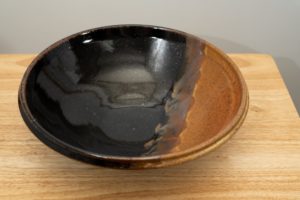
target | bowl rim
[{"x": 39, "y": 130}]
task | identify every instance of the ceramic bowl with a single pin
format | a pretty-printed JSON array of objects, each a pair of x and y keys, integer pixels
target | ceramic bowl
[{"x": 133, "y": 96}]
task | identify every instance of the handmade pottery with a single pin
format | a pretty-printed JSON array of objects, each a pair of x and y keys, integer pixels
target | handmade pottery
[{"x": 133, "y": 96}]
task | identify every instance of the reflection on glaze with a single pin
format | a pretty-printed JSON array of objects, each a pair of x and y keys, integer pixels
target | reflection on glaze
[
  {"x": 117, "y": 96},
  {"x": 177, "y": 106}
]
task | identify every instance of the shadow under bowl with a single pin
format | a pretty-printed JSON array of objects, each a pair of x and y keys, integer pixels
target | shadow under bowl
[{"x": 133, "y": 96}]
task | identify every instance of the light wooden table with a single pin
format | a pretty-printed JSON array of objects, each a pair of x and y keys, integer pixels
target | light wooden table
[{"x": 262, "y": 161}]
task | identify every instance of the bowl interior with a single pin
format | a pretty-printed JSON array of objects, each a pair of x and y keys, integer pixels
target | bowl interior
[{"x": 132, "y": 91}]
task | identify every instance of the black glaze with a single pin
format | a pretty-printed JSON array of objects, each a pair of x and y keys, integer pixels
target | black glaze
[{"x": 113, "y": 91}]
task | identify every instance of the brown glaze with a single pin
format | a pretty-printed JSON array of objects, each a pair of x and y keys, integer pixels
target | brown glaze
[
  {"x": 219, "y": 108},
  {"x": 217, "y": 99},
  {"x": 206, "y": 104}
]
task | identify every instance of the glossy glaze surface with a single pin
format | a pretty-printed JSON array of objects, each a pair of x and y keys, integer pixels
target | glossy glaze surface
[
  {"x": 132, "y": 96},
  {"x": 116, "y": 91}
]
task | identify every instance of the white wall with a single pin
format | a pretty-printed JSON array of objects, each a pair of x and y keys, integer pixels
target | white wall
[{"x": 260, "y": 26}]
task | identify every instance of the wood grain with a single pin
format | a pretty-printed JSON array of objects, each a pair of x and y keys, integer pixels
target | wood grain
[{"x": 262, "y": 161}]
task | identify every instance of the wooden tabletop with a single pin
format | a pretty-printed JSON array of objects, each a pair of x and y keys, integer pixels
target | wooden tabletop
[{"x": 262, "y": 161}]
